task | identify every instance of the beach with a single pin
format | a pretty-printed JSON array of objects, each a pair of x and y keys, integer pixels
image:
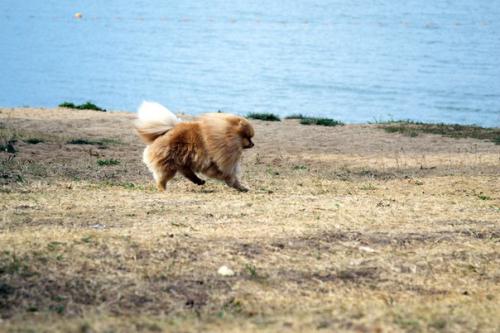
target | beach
[{"x": 345, "y": 228}]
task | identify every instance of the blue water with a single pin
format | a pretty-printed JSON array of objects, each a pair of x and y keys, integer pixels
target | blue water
[{"x": 356, "y": 61}]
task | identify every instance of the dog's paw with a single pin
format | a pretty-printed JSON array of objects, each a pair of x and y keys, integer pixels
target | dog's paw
[
  {"x": 201, "y": 182},
  {"x": 243, "y": 189}
]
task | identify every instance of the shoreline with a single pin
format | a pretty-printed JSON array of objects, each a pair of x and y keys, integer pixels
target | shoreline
[{"x": 389, "y": 119}]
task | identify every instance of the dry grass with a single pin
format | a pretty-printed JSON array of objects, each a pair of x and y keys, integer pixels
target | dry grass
[
  {"x": 413, "y": 128},
  {"x": 345, "y": 229}
]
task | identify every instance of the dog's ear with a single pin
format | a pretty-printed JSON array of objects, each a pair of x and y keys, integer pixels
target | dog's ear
[
  {"x": 241, "y": 126},
  {"x": 244, "y": 128}
]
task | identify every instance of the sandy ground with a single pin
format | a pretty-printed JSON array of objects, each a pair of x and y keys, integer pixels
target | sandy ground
[{"x": 345, "y": 229}]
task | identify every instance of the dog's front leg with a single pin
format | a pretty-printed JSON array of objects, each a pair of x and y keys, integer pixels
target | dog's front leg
[
  {"x": 231, "y": 180},
  {"x": 234, "y": 182}
]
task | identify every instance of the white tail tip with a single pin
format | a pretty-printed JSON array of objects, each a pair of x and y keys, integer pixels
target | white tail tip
[{"x": 155, "y": 112}]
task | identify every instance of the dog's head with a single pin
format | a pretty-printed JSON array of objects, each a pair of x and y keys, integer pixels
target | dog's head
[
  {"x": 246, "y": 132},
  {"x": 235, "y": 128}
]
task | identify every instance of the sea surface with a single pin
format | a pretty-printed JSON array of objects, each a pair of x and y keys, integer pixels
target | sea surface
[{"x": 355, "y": 61}]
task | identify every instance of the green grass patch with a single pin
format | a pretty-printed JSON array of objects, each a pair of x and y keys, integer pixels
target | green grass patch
[
  {"x": 252, "y": 270},
  {"x": 99, "y": 142},
  {"x": 253, "y": 274},
  {"x": 58, "y": 308},
  {"x": 264, "y": 116},
  {"x": 107, "y": 162},
  {"x": 34, "y": 141},
  {"x": 295, "y": 116},
  {"x": 82, "y": 142},
  {"x": 305, "y": 120},
  {"x": 85, "y": 106},
  {"x": 300, "y": 167},
  {"x": 483, "y": 197},
  {"x": 414, "y": 128},
  {"x": 55, "y": 245},
  {"x": 320, "y": 121},
  {"x": 87, "y": 239}
]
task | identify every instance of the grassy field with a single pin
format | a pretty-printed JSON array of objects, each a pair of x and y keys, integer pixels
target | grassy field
[{"x": 347, "y": 228}]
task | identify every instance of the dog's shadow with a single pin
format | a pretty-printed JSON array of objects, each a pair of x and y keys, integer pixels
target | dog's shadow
[{"x": 206, "y": 190}]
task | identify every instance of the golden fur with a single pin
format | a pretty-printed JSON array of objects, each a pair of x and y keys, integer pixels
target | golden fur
[{"x": 211, "y": 145}]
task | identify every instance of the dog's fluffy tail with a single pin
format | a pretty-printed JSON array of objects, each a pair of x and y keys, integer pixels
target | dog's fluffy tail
[{"x": 153, "y": 120}]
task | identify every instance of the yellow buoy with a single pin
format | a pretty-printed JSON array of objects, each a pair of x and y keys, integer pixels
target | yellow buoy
[{"x": 78, "y": 15}]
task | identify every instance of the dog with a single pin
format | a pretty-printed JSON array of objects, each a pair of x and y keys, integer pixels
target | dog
[{"x": 211, "y": 145}]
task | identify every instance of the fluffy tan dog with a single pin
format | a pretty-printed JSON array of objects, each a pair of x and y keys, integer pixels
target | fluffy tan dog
[{"x": 211, "y": 145}]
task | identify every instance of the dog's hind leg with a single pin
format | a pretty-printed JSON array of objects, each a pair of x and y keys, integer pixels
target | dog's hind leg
[
  {"x": 189, "y": 174},
  {"x": 162, "y": 177}
]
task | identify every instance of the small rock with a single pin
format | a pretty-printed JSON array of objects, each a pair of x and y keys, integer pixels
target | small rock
[
  {"x": 366, "y": 249},
  {"x": 225, "y": 271}
]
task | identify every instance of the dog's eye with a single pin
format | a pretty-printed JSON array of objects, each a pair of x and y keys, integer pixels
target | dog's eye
[{"x": 247, "y": 143}]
